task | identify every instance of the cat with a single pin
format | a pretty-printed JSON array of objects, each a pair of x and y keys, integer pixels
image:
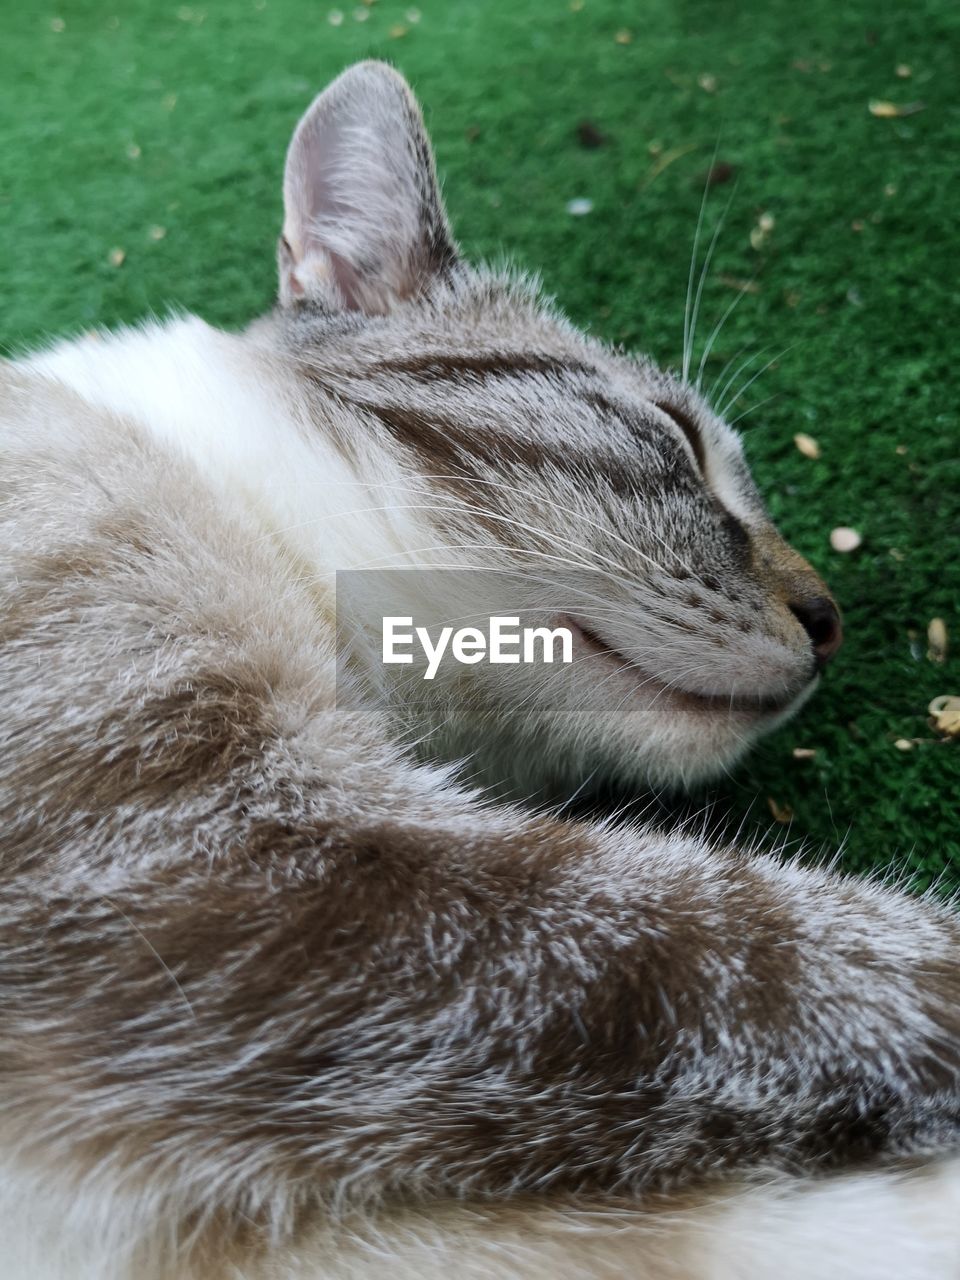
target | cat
[{"x": 282, "y": 994}]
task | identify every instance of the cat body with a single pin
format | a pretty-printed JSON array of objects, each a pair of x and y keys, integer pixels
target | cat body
[{"x": 282, "y": 996}]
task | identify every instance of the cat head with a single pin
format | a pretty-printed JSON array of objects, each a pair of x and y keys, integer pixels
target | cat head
[{"x": 522, "y": 444}]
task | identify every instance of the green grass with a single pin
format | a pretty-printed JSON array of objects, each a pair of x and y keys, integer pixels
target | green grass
[{"x": 140, "y": 114}]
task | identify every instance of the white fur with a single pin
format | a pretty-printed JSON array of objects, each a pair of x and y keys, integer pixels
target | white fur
[
  {"x": 216, "y": 399},
  {"x": 871, "y": 1226}
]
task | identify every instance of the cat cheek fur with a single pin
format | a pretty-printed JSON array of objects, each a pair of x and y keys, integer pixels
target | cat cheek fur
[{"x": 280, "y": 999}]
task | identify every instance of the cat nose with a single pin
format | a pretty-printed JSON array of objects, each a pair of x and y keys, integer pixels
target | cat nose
[{"x": 820, "y": 619}]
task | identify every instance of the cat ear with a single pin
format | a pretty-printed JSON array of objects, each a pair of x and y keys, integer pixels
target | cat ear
[{"x": 364, "y": 226}]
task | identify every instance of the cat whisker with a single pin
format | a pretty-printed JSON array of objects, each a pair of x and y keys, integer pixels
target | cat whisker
[
  {"x": 408, "y": 487},
  {"x": 718, "y": 327},
  {"x": 638, "y": 685},
  {"x": 752, "y": 409},
  {"x": 687, "y": 331},
  {"x": 550, "y": 537},
  {"x": 669, "y": 685},
  {"x": 712, "y": 393},
  {"x": 557, "y": 810},
  {"x": 749, "y": 383},
  {"x": 704, "y": 273},
  {"x": 155, "y": 953},
  {"x": 379, "y": 561},
  {"x": 472, "y": 508},
  {"x": 744, "y": 365},
  {"x": 557, "y": 506}
]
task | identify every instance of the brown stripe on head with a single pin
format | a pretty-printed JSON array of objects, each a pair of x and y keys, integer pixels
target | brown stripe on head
[
  {"x": 457, "y": 457},
  {"x": 457, "y": 366}
]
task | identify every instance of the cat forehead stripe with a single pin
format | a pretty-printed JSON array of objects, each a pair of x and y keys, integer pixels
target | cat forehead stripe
[{"x": 442, "y": 366}]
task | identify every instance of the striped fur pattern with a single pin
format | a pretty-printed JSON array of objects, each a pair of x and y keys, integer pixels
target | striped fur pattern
[{"x": 280, "y": 995}]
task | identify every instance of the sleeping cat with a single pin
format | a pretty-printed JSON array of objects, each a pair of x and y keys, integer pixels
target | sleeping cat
[{"x": 282, "y": 996}]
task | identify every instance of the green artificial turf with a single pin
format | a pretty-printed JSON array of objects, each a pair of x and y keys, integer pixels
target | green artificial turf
[{"x": 124, "y": 117}]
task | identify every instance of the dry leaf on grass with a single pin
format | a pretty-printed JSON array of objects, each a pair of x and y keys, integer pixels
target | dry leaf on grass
[
  {"x": 945, "y": 713},
  {"x": 718, "y": 174},
  {"x": 781, "y": 812},
  {"x": 590, "y": 136},
  {"x": 845, "y": 539},
  {"x": 884, "y": 110},
  {"x": 758, "y": 235},
  {"x": 937, "y": 640}
]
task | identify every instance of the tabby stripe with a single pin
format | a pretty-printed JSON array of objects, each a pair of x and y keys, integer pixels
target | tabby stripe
[{"x": 440, "y": 366}]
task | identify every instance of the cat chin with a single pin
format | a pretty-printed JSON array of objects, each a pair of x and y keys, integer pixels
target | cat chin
[
  {"x": 683, "y": 747},
  {"x": 667, "y": 738},
  {"x": 679, "y": 756},
  {"x": 586, "y": 737},
  {"x": 664, "y": 743},
  {"x": 557, "y": 754}
]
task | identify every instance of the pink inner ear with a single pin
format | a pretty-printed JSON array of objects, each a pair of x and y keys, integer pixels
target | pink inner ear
[
  {"x": 362, "y": 213},
  {"x": 290, "y": 283}
]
